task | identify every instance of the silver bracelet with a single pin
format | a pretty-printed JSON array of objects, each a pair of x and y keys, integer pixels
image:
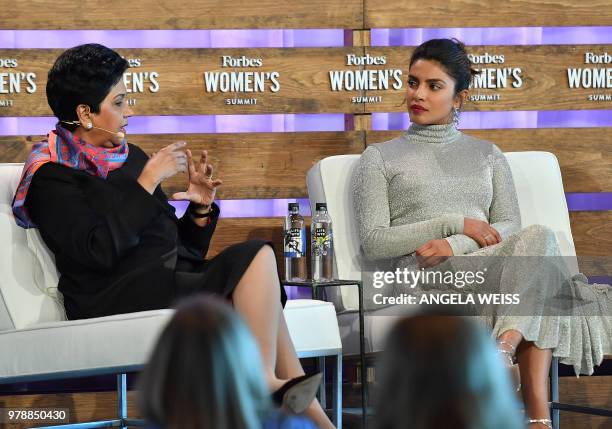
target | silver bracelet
[
  {"x": 545, "y": 422},
  {"x": 505, "y": 343}
]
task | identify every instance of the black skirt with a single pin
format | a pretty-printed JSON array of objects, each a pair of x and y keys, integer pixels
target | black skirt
[
  {"x": 221, "y": 274},
  {"x": 153, "y": 288}
]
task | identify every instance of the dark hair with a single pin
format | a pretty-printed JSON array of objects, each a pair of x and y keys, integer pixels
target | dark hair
[
  {"x": 205, "y": 371},
  {"x": 82, "y": 75},
  {"x": 451, "y": 55},
  {"x": 441, "y": 371}
]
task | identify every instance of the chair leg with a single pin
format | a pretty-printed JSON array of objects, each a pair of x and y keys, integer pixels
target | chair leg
[
  {"x": 554, "y": 387},
  {"x": 122, "y": 413},
  {"x": 122, "y": 398},
  {"x": 121, "y": 422},
  {"x": 337, "y": 393},
  {"x": 322, "y": 395}
]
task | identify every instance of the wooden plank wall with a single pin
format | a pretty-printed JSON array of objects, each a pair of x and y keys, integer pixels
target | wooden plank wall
[
  {"x": 177, "y": 15},
  {"x": 484, "y": 13},
  {"x": 251, "y": 165},
  {"x": 177, "y": 79},
  {"x": 318, "y": 80},
  {"x": 273, "y": 165},
  {"x": 348, "y": 14},
  {"x": 515, "y": 78}
]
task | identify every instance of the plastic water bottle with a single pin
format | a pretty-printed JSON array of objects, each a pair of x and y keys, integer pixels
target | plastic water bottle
[
  {"x": 322, "y": 249},
  {"x": 295, "y": 244}
]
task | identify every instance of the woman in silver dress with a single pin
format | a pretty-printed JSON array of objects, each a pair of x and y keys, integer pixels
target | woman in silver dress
[{"x": 434, "y": 193}]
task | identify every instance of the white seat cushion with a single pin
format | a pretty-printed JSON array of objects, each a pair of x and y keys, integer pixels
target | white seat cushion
[
  {"x": 99, "y": 345},
  {"x": 313, "y": 327},
  {"x": 88, "y": 346}
]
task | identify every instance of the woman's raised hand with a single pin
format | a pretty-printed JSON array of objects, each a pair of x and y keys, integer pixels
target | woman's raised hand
[
  {"x": 166, "y": 163},
  {"x": 202, "y": 186},
  {"x": 482, "y": 232}
]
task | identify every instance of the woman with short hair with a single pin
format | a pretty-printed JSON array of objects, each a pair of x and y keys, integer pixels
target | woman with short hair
[{"x": 118, "y": 245}]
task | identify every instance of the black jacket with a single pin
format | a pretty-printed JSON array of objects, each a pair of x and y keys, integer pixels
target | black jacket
[{"x": 116, "y": 246}]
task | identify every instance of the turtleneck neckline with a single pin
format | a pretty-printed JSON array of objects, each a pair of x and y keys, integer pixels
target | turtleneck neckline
[{"x": 439, "y": 134}]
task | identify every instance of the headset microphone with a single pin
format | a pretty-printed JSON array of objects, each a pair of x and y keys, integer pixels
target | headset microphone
[
  {"x": 89, "y": 126},
  {"x": 119, "y": 134}
]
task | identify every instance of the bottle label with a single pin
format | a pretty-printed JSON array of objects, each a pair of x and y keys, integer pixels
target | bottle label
[
  {"x": 321, "y": 240},
  {"x": 295, "y": 242}
]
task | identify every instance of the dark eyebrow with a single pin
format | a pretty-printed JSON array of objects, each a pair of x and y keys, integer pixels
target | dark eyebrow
[{"x": 428, "y": 80}]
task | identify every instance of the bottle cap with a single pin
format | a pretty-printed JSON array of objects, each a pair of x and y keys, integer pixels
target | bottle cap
[
  {"x": 321, "y": 206},
  {"x": 294, "y": 206}
]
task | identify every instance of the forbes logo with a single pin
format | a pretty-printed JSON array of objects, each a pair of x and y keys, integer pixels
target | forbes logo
[{"x": 592, "y": 58}]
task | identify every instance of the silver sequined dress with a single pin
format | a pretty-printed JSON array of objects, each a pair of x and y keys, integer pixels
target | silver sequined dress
[{"x": 420, "y": 186}]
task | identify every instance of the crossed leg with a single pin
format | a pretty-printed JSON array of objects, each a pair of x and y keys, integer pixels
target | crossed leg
[{"x": 257, "y": 299}]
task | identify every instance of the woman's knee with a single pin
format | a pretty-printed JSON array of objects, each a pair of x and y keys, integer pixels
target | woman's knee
[
  {"x": 540, "y": 231},
  {"x": 267, "y": 252},
  {"x": 540, "y": 234}
]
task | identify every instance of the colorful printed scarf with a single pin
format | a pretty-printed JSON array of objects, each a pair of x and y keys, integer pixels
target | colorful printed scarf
[{"x": 63, "y": 147}]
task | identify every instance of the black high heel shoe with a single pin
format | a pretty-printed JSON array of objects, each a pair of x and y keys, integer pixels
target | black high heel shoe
[{"x": 297, "y": 394}]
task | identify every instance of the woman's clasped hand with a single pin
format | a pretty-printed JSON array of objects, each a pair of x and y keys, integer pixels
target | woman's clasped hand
[
  {"x": 480, "y": 231},
  {"x": 434, "y": 252}
]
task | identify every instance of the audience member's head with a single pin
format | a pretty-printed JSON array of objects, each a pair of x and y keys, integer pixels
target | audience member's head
[
  {"x": 205, "y": 371},
  {"x": 443, "y": 372}
]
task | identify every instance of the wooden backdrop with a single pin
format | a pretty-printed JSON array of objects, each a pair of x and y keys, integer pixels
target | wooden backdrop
[
  {"x": 273, "y": 165},
  {"x": 277, "y": 162}
]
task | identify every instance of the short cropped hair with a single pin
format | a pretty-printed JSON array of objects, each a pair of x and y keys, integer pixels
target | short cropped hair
[{"x": 84, "y": 74}]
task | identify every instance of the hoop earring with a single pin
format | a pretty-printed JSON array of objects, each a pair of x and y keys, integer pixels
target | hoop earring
[{"x": 456, "y": 113}]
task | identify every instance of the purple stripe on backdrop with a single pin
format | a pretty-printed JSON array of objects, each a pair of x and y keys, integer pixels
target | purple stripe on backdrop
[
  {"x": 594, "y": 201},
  {"x": 587, "y": 201},
  {"x": 495, "y": 35},
  {"x": 508, "y": 119},
  {"x": 606, "y": 280},
  {"x": 13, "y": 126},
  {"x": 23, "y": 39},
  {"x": 48, "y": 39},
  {"x": 251, "y": 208}
]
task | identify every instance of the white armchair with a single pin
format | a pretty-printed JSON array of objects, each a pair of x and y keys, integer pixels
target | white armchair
[
  {"x": 38, "y": 343},
  {"x": 541, "y": 198}
]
